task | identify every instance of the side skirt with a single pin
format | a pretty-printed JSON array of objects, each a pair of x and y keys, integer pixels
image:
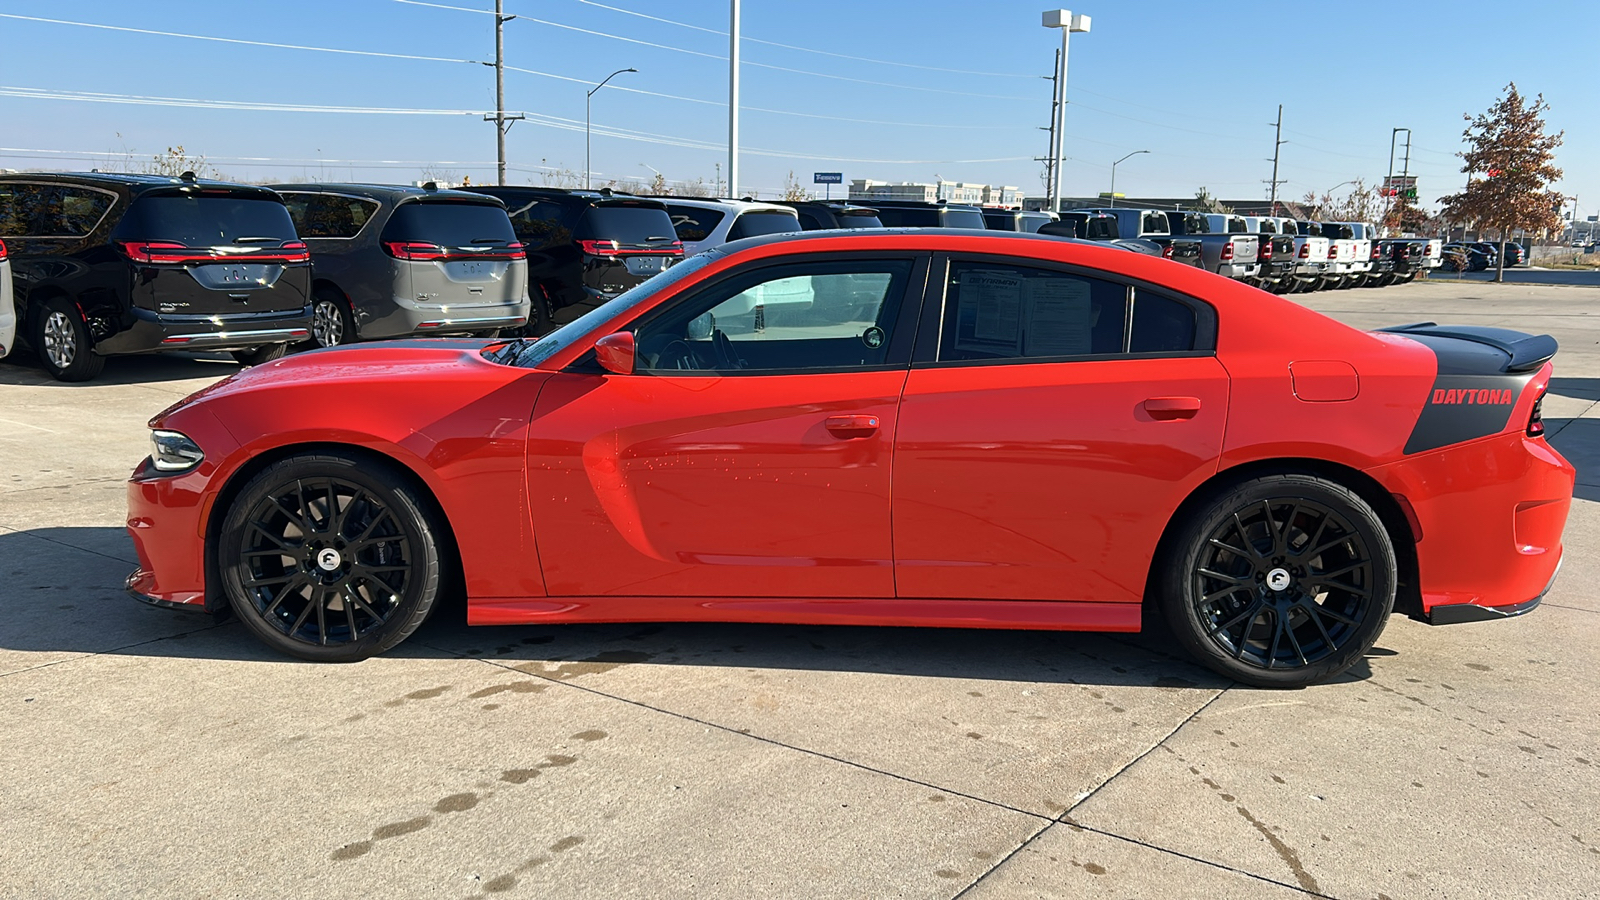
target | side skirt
[{"x": 1038, "y": 615}]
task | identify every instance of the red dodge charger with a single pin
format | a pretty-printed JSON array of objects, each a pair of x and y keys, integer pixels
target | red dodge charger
[{"x": 900, "y": 427}]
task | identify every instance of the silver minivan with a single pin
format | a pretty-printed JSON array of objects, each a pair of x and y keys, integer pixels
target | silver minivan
[{"x": 391, "y": 260}]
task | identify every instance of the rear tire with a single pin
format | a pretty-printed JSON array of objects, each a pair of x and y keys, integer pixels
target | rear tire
[
  {"x": 1280, "y": 581},
  {"x": 331, "y": 323},
  {"x": 331, "y": 558},
  {"x": 260, "y": 356},
  {"x": 61, "y": 338}
]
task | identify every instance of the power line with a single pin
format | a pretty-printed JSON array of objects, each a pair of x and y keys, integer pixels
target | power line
[
  {"x": 270, "y": 161},
  {"x": 865, "y": 59},
  {"x": 193, "y": 103}
]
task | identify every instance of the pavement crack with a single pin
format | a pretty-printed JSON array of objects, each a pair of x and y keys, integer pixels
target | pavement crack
[
  {"x": 1284, "y": 851},
  {"x": 93, "y": 653}
]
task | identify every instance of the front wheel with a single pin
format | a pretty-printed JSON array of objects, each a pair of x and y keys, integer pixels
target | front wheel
[
  {"x": 1282, "y": 581},
  {"x": 331, "y": 558}
]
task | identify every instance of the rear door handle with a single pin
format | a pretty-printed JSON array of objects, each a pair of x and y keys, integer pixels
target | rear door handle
[
  {"x": 852, "y": 426},
  {"x": 1166, "y": 408}
]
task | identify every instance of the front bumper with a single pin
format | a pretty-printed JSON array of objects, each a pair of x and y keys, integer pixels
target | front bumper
[{"x": 149, "y": 332}]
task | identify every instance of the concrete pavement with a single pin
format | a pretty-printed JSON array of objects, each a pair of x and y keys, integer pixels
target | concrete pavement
[{"x": 153, "y": 753}]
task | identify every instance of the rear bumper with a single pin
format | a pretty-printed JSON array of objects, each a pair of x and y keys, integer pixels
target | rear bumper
[
  {"x": 409, "y": 317},
  {"x": 151, "y": 332},
  {"x": 1239, "y": 270},
  {"x": 1490, "y": 514}
]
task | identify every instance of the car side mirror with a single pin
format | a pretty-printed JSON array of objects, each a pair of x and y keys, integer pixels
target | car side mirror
[{"x": 616, "y": 353}]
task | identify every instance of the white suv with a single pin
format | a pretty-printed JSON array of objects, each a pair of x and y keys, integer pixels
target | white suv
[
  {"x": 8, "y": 309},
  {"x": 703, "y": 224}
]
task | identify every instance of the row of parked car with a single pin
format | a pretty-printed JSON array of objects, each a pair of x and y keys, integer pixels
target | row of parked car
[{"x": 110, "y": 264}]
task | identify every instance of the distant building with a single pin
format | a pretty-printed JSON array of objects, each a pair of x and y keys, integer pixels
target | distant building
[{"x": 867, "y": 190}]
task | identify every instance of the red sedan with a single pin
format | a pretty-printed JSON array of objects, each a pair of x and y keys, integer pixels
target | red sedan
[{"x": 936, "y": 428}]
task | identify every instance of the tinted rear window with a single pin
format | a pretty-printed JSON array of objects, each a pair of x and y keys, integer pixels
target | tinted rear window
[
  {"x": 851, "y": 220},
  {"x": 449, "y": 224},
  {"x": 758, "y": 222},
  {"x": 963, "y": 218},
  {"x": 694, "y": 223},
  {"x": 910, "y": 218},
  {"x": 539, "y": 221},
  {"x": 206, "y": 220},
  {"x": 626, "y": 223},
  {"x": 1000, "y": 221}
]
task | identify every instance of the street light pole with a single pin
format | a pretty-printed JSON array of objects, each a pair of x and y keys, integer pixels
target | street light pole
[
  {"x": 500, "y": 20},
  {"x": 733, "y": 99},
  {"x": 586, "y": 99},
  {"x": 1068, "y": 23},
  {"x": 1114, "y": 174}
]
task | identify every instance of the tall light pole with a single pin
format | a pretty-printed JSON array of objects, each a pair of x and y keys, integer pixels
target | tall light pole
[
  {"x": 1114, "y": 173},
  {"x": 500, "y": 20},
  {"x": 586, "y": 100},
  {"x": 733, "y": 100},
  {"x": 1388, "y": 182},
  {"x": 1068, "y": 23}
]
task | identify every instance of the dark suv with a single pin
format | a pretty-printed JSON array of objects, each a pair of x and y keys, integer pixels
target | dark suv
[
  {"x": 819, "y": 215},
  {"x": 392, "y": 260},
  {"x": 106, "y": 265},
  {"x": 585, "y": 247},
  {"x": 913, "y": 214}
]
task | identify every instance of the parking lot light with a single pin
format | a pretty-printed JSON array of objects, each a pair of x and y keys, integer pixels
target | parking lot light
[
  {"x": 586, "y": 100},
  {"x": 1114, "y": 173},
  {"x": 1068, "y": 23}
]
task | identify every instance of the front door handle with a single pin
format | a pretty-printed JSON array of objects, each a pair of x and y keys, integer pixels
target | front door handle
[
  {"x": 1167, "y": 408},
  {"x": 852, "y": 426}
]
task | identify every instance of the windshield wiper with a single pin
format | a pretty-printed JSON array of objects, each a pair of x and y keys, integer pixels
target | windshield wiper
[
  {"x": 257, "y": 240},
  {"x": 657, "y": 237}
]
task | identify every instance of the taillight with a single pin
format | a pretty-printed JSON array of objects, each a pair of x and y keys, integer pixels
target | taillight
[
  {"x": 1375, "y": 250},
  {"x": 292, "y": 251},
  {"x": 2, "y": 249},
  {"x": 605, "y": 248},
  {"x": 414, "y": 250},
  {"x": 676, "y": 249},
  {"x": 173, "y": 252},
  {"x": 1305, "y": 251},
  {"x": 1166, "y": 252},
  {"x": 1264, "y": 250},
  {"x": 1333, "y": 251},
  {"x": 1536, "y": 421},
  {"x": 1227, "y": 251}
]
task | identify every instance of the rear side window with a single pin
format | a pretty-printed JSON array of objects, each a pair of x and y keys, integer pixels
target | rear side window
[
  {"x": 808, "y": 222},
  {"x": 539, "y": 223},
  {"x": 206, "y": 219},
  {"x": 1160, "y": 324},
  {"x": 449, "y": 224},
  {"x": 625, "y": 223},
  {"x": 995, "y": 311},
  {"x": 51, "y": 210},
  {"x": 758, "y": 222},
  {"x": 1000, "y": 221},
  {"x": 694, "y": 223},
  {"x": 329, "y": 215}
]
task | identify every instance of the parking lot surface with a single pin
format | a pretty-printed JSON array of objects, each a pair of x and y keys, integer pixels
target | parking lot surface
[{"x": 155, "y": 753}]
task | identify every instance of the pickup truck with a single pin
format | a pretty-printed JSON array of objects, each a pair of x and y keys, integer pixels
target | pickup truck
[
  {"x": 1276, "y": 253},
  {"x": 1310, "y": 253},
  {"x": 1360, "y": 251},
  {"x": 1231, "y": 255},
  {"x": 1341, "y": 256},
  {"x": 1102, "y": 225},
  {"x": 1407, "y": 257},
  {"x": 1149, "y": 225}
]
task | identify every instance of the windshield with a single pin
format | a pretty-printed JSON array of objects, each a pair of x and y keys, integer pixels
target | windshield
[
  {"x": 528, "y": 355},
  {"x": 206, "y": 220}
]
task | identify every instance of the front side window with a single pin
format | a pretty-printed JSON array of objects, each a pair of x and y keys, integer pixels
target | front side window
[{"x": 803, "y": 316}]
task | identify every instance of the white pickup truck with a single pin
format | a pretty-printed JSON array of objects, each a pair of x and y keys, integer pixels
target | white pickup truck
[
  {"x": 1310, "y": 252},
  {"x": 1343, "y": 261}
]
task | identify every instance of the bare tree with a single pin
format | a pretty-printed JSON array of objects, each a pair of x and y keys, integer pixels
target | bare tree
[
  {"x": 695, "y": 188},
  {"x": 561, "y": 178},
  {"x": 441, "y": 176},
  {"x": 177, "y": 161},
  {"x": 793, "y": 189},
  {"x": 1204, "y": 202},
  {"x": 1509, "y": 163}
]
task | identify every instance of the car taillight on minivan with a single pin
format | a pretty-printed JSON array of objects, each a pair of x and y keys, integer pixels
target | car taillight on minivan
[
  {"x": 600, "y": 248},
  {"x": 1536, "y": 420},
  {"x": 414, "y": 250},
  {"x": 173, "y": 252}
]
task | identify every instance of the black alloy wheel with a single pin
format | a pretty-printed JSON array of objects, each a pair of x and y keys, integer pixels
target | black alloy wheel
[
  {"x": 330, "y": 558},
  {"x": 1285, "y": 581}
]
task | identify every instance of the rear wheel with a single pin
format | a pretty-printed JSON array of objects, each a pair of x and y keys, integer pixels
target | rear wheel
[
  {"x": 258, "y": 356},
  {"x": 1282, "y": 581},
  {"x": 331, "y": 558},
  {"x": 331, "y": 324},
  {"x": 61, "y": 339}
]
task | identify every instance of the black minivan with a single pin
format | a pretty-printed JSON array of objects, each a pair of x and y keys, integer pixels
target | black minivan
[
  {"x": 585, "y": 247},
  {"x": 107, "y": 265}
]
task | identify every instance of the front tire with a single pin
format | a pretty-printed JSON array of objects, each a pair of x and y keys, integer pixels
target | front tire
[
  {"x": 331, "y": 558},
  {"x": 62, "y": 340},
  {"x": 1281, "y": 581}
]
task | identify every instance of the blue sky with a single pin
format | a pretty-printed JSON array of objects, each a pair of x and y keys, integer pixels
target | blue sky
[{"x": 1193, "y": 83}]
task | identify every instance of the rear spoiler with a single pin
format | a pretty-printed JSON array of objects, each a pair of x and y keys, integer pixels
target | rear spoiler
[{"x": 1524, "y": 352}]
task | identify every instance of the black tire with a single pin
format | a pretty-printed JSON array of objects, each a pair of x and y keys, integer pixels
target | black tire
[
  {"x": 1281, "y": 556},
  {"x": 260, "y": 356},
  {"x": 331, "y": 323},
  {"x": 387, "y": 553},
  {"x": 62, "y": 341}
]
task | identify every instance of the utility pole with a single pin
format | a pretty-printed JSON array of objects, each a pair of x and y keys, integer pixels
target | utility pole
[
  {"x": 1277, "y": 145},
  {"x": 500, "y": 119},
  {"x": 1049, "y": 163},
  {"x": 733, "y": 100}
]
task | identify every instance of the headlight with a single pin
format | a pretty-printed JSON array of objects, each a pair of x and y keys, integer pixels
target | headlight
[{"x": 172, "y": 451}]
